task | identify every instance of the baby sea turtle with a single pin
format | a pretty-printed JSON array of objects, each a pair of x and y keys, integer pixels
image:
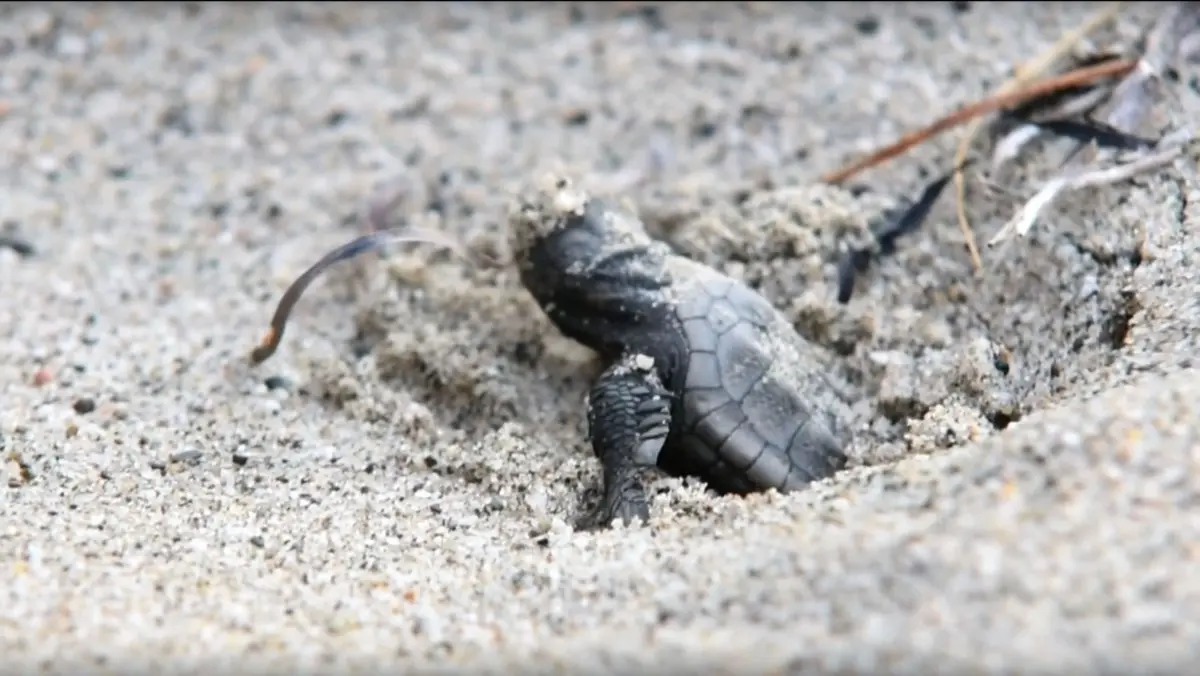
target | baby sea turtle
[{"x": 703, "y": 377}]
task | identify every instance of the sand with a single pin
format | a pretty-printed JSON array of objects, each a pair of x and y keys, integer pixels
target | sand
[{"x": 397, "y": 486}]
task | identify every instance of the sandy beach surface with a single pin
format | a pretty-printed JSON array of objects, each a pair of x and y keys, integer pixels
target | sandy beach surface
[{"x": 396, "y": 487}]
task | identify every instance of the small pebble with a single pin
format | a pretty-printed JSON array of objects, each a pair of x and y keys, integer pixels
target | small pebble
[
  {"x": 84, "y": 405},
  {"x": 72, "y": 45},
  {"x": 541, "y": 525},
  {"x": 277, "y": 383},
  {"x": 14, "y": 243},
  {"x": 258, "y": 541},
  {"x": 240, "y": 459},
  {"x": 868, "y": 25}
]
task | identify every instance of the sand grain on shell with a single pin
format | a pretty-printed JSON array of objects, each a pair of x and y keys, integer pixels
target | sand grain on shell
[{"x": 395, "y": 485}]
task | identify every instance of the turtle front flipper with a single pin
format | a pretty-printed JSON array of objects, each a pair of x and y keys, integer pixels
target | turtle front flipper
[{"x": 629, "y": 417}]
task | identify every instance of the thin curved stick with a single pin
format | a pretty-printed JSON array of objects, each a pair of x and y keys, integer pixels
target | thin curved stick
[
  {"x": 854, "y": 261},
  {"x": 352, "y": 249}
]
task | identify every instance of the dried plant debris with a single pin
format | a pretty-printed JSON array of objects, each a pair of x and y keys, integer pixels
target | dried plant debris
[
  {"x": 1006, "y": 99},
  {"x": 1027, "y": 215},
  {"x": 1021, "y": 89},
  {"x": 1069, "y": 103},
  {"x": 1115, "y": 152},
  {"x": 1026, "y": 72},
  {"x": 892, "y": 226},
  {"x": 1086, "y": 131},
  {"x": 1065, "y": 114},
  {"x": 1062, "y": 106},
  {"x": 381, "y": 234}
]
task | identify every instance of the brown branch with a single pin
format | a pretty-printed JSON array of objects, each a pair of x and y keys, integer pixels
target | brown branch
[
  {"x": 1023, "y": 74},
  {"x": 1075, "y": 78}
]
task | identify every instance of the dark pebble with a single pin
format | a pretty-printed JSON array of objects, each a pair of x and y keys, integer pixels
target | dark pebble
[
  {"x": 22, "y": 248},
  {"x": 158, "y": 465},
  {"x": 1000, "y": 365},
  {"x": 577, "y": 118},
  {"x": 867, "y": 25},
  {"x": 240, "y": 459},
  {"x": 84, "y": 405},
  {"x": 277, "y": 383},
  {"x": 653, "y": 18},
  {"x": 258, "y": 541},
  {"x": 335, "y": 118}
]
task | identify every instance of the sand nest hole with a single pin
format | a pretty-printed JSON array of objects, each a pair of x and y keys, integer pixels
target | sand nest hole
[{"x": 937, "y": 357}]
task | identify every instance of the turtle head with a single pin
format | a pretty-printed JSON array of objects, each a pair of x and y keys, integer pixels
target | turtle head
[
  {"x": 558, "y": 230},
  {"x": 586, "y": 262}
]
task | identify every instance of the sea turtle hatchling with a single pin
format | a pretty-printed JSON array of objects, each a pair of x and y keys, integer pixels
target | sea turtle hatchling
[{"x": 703, "y": 377}]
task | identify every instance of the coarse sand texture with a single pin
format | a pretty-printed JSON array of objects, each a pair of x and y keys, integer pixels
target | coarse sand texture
[{"x": 396, "y": 487}]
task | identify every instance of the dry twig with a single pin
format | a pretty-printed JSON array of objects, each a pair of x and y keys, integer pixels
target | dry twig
[
  {"x": 1129, "y": 105},
  {"x": 1027, "y": 215},
  {"x": 1060, "y": 120},
  {"x": 998, "y": 101},
  {"x": 379, "y": 207},
  {"x": 893, "y": 226},
  {"x": 1024, "y": 74}
]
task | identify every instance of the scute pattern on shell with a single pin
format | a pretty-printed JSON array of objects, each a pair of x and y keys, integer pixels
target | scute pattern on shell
[{"x": 756, "y": 407}]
